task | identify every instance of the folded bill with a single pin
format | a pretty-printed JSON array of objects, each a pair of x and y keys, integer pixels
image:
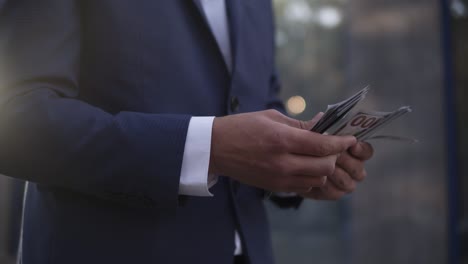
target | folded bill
[
  {"x": 363, "y": 124},
  {"x": 338, "y": 111}
]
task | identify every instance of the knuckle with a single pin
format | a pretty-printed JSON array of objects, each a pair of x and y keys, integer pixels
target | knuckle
[
  {"x": 283, "y": 169},
  {"x": 342, "y": 183},
  {"x": 328, "y": 168},
  {"x": 362, "y": 175},
  {"x": 350, "y": 187},
  {"x": 343, "y": 180},
  {"x": 278, "y": 142},
  {"x": 323, "y": 181},
  {"x": 314, "y": 182},
  {"x": 272, "y": 112},
  {"x": 368, "y": 148},
  {"x": 324, "y": 148},
  {"x": 356, "y": 175},
  {"x": 344, "y": 159},
  {"x": 332, "y": 193},
  {"x": 341, "y": 159},
  {"x": 365, "y": 151},
  {"x": 302, "y": 124}
]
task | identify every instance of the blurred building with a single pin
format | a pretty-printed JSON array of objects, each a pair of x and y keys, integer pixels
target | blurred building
[{"x": 413, "y": 207}]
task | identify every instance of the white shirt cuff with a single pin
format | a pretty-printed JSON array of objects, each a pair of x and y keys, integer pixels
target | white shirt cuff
[{"x": 194, "y": 178}]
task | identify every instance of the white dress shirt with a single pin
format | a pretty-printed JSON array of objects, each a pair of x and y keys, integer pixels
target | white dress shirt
[{"x": 194, "y": 180}]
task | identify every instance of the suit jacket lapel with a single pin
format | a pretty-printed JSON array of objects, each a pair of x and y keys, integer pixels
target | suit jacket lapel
[
  {"x": 232, "y": 13},
  {"x": 200, "y": 8}
]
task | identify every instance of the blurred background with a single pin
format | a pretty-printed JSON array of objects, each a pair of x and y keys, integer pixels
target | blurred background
[{"x": 413, "y": 207}]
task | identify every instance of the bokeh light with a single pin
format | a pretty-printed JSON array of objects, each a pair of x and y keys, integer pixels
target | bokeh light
[
  {"x": 296, "y": 105},
  {"x": 329, "y": 17}
]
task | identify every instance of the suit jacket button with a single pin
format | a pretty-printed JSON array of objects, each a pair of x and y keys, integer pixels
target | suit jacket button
[{"x": 234, "y": 104}]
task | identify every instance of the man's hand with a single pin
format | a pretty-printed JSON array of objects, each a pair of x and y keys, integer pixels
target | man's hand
[
  {"x": 269, "y": 150},
  {"x": 348, "y": 172}
]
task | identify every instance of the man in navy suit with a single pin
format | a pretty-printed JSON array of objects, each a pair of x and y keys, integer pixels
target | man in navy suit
[{"x": 142, "y": 129}]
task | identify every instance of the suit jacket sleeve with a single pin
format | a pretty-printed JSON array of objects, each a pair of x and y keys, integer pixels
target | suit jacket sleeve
[{"x": 51, "y": 137}]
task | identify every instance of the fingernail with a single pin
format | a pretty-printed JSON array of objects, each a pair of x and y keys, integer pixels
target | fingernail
[{"x": 324, "y": 180}]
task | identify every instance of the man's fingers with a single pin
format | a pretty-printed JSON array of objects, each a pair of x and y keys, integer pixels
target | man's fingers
[
  {"x": 362, "y": 150},
  {"x": 354, "y": 167},
  {"x": 343, "y": 180},
  {"x": 309, "y": 143},
  {"x": 299, "y": 140},
  {"x": 301, "y": 183},
  {"x": 268, "y": 150},
  {"x": 310, "y": 166},
  {"x": 329, "y": 191}
]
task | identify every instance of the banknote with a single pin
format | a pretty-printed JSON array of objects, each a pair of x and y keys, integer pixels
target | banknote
[
  {"x": 364, "y": 124},
  {"x": 337, "y": 112},
  {"x": 344, "y": 119}
]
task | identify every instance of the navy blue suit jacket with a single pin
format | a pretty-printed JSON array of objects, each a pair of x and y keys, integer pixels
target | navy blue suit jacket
[{"x": 95, "y": 101}]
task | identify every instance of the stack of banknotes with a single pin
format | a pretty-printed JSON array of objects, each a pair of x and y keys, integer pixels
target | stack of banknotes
[{"x": 346, "y": 118}]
